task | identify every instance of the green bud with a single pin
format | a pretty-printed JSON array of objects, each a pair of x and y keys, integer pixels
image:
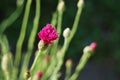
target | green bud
[
  {"x": 80, "y": 3},
  {"x": 61, "y": 6},
  {"x": 69, "y": 63},
  {"x": 7, "y": 63},
  {"x": 91, "y": 48},
  {"x": 87, "y": 49},
  {"x": 66, "y": 33}
]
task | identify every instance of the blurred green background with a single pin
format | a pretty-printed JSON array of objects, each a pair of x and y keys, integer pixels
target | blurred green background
[{"x": 100, "y": 22}]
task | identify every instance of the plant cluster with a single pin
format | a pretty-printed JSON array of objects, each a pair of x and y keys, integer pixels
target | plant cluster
[{"x": 49, "y": 57}]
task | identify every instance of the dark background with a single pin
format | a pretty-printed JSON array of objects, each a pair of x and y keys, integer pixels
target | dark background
[{"x": 100, "y": 22}]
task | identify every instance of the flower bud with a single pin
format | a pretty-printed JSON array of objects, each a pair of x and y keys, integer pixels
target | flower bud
[
  {"x": 66, "y": 33},
  {"x": 69, "y": 63},
  {"x": 7, "y": 63},
  {"x": 80, "y": 3},
  {"x": 27, "y": 74},
  {"x": 38, "y": 75},
  {"x": 93, "y": 45},
  {"x": 87, "y": 49},
  {"x": 90, "y": 48},
  {"x": 61, "y": 6}
]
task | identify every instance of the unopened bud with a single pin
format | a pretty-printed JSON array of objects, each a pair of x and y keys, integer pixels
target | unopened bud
[
  {"x": 87, "y": 49},
  {"x": 93, "y": 45},
  {"x": 27, "y": 74},
  {"x": 7, "y": 63},
  {"x": 80, "y": 3},
  {"x": 90, "y": 48},
  {"x": 66, "y": 33},
  {"x": 61, "y": 6},
  {"x": 69, "y": 63},
  {"x": 38, "y": 75}
]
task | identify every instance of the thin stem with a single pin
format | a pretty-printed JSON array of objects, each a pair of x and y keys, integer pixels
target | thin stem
[
  {"x": 49, "y": 69},
  {"x": 7, "y": 75},
  {"x": 7, "y": 22},
  {"x": 67, "y": 41},
  {"x": 76, "y": 21},
  {"x": 34, "y": 30},
  {"x": 59, "y": 22},
  {"x": 68, "y": 73},
  {"x": 55, "y": 46},
  {"x": 60, "y": 61},
  {"x": 22, "y": 34},
  {"x": 54, "y": 19},
  {"x": 59, "y": 25},
  {"x": 32, "y": 37},
  {"x": 35, "y": 26},
  {"x": 80, "y": 66},
  {"x": 35, "y": 61},
  {"x": 4, "y": 44}
]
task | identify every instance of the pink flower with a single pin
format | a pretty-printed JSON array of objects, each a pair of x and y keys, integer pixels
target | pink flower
[
  {"x": 48, "y": 34},
  {"x": 93, "y": 45},
  {"x": 39, "y": 73}
]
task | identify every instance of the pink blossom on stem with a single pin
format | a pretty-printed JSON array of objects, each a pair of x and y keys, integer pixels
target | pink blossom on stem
[
  {"x": 39, "y": 74},
  {"x": 48, "y": 34},
  {"x": 93, "y": 45}
]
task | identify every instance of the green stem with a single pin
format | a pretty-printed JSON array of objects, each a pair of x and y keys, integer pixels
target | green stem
[
  {"x": 14, "y": 73},
  {"x": 7, "y": 22},
  {"x": 35, "y": 61},
  {"x": 50, "y": 69},
  {"x": 68, "y": 73},
  {"x": 76, "y": 21},
  {"x": 60, "y": 61},
  {"x": 35, "y": 26},
  {"x": 7, "y": 75},
  {"x": 80, "y": 66},
  {"x": 22, "y": 34},
  {"x": 34, "y": 30},
  {"x": 59, "y": 24},
  {"x": 54, "y": 19},
  {"x": 32, "y": 37},
  {"x": 4, "y": 44},
  {"x": 55, "y": 46},
  {"x": 67, "y": 41}
]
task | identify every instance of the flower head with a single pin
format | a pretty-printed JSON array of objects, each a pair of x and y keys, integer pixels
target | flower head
[
  {"x": 93, "y": 45},
  {"x": 48, "y": 34},
  {"x": 39, "y": 73}
]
